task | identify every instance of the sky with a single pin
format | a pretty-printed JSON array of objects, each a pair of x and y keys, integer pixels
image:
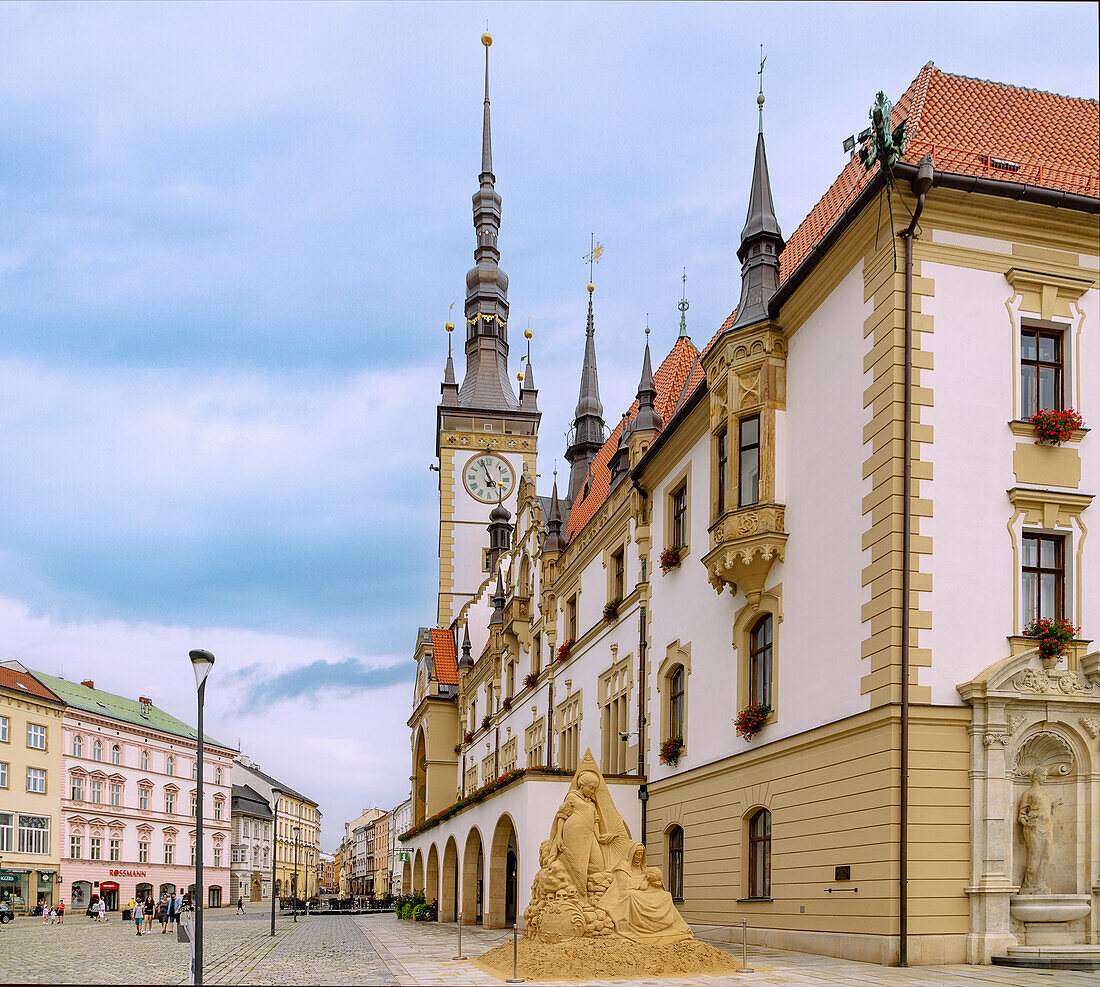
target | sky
[{"x": 230, "y": 235}]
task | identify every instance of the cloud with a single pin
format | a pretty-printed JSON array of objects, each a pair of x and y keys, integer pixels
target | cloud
[{"x": 258, "y": 689}]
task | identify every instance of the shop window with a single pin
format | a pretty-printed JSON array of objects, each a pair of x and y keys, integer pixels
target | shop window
[
  {"x": 760, "y": 661},
  {"x": 676, "y": 863},
  {"x": 75, "y": 847},
  {"x": 116, "y": 754},
  {"x": 1041, "y": 370},
  {"x": 748, "y": 464},
  {"x": 722, "y": 466},
  {"x": 760, "y": 854},
  {"x": 1043, "y": 577},
  {"x": 34, "y": 834}
]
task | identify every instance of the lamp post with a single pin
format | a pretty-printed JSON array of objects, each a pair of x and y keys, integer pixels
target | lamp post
[
  {"x": 275, "y": 796},
  {"x": 201, "y": 663},
  {"x": 294, "y": 881}
]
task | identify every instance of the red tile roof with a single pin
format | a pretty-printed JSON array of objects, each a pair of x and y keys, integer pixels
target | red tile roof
[
  {"x": 443, "y": 656},
  {"x": 675, "y": 379},
  {"x": 23, "y": 684},
  {"x": 974, "y": 127}
]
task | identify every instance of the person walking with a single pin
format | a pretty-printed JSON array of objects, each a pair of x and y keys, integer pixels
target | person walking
[
  {"x": 148, "y": 909},
  {"x": 103, "y": 909},
  {"x": 162, "y": 914},
  {"x": 240, "y": 905},
  {"x": 61, "y": 912},
  {"x": 177, "y": 913}
]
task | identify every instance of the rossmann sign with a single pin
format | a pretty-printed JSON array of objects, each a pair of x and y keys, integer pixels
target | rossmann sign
[{"x": 127, "y": 873}]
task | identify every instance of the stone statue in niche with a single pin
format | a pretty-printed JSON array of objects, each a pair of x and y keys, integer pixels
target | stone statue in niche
[
  {"x": 1036, "y": 818},
  {"x": 593, "y": 878}
]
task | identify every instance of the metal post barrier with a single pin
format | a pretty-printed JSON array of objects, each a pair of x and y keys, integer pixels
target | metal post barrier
[
  {"x": 515, "y": 978},
  {"x": 745, "y": 968},
  {"x": 459, "y": 956}
]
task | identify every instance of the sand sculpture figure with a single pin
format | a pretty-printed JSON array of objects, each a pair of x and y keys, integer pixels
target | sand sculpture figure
[
  {"x": 593, "y": 878},
  {"x": 1036, "y": 818}
]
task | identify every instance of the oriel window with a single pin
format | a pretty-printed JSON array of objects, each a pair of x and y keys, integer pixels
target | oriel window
[
  {"x": 723, "y": 465},
  {"x": 1040, "y": 370},
  {"x": 748, "y": 490}
]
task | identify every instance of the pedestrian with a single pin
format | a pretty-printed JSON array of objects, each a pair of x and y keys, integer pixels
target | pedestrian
[
  {"x": 240, "y": 905},
  {"x": 61, "y": 912},
  {"x": 138, "y": 915},
  {"x": 162, "y": 914},
  {"x": 45, "y": 913},
  {"x": 177, "y": 912},
  {"x": 103, "y": 909},
  {"x": 148, "y": 909}
]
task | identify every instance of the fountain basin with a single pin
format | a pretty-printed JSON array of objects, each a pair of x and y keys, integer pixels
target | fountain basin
[{"x": 1046, "y": 917}]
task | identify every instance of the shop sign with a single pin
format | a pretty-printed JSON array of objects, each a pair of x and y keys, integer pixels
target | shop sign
[
  {"x": 108, "y": 886},
  {"x": 126, "y": 873},
  {"x": 44, "y": 878},
  {"x": 8, "y": 878}
]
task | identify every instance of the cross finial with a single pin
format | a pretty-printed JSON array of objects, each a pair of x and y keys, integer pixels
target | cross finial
[
  {"x": 683, "y": 306},
  {"x": 647, "y": 325},
  {"x": 760, "y": 94},
  {"x": 593, "y": 257}
]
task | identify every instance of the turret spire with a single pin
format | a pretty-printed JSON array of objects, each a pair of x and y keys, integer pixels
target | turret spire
[
  {"x": 553, "y": 542},
  {"x": 647, "y": 417},
  {"x": 588, "y": 424}
]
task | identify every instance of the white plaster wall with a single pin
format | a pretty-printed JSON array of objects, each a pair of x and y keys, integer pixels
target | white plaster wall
[{"x": 974, "y": 577}]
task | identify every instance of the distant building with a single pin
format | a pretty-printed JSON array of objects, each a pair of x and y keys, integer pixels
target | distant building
[
  {"x": 380, "y": 855},
  {"x": 250, "y": 858},
  {"x": 400, "y": 821},
  {"x": 326, "y": 879}
]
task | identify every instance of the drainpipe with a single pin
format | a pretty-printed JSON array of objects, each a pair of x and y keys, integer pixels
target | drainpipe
[
  {"x": 550, "y": 719},
  {"x": 643, "y": 788},
  {"x": 921, "y": 183}
]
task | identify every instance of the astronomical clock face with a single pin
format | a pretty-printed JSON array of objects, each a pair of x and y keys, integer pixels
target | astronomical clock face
[{"x": 484, "y": 475}]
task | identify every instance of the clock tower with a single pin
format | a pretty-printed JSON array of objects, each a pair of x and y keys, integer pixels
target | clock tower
[{"x": 486, "y": 437}]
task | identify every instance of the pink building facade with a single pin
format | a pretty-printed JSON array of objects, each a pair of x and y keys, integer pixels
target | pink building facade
[{"x": 128, "y": 802}]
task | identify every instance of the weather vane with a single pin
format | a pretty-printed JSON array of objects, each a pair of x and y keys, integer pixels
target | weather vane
[
  {"x": 683, "y": 306},
  {"x": 528, "y": 334},
  {"x": 593, "y": 256},
  {"x": 760, "y": 94},
  {"x": 450, "y": 329}
]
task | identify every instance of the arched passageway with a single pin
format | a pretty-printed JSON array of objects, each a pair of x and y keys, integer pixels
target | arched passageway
[
  {"x": 418, "y": 872},
  {"x": 473, "y": 879},
  {"x": 431, "y": 883},
  {"x": 501, "y": 906},
  {"x": 406, "y": 877},
  {"x": 448, "y": 891},
  {"x": 420, "y": 777}
]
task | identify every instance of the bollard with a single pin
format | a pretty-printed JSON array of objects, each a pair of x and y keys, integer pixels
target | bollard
[
  {"x": 745, "y": 968},
  {"x": 459, "y": 956},
  {"x": 515, "y": 978}
]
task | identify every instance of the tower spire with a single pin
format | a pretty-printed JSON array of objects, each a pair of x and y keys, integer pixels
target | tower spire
[
  {"x": 761, "y": 239},
  {"x": 588, "y": 424},
  {"x": 683, "y": 306}
]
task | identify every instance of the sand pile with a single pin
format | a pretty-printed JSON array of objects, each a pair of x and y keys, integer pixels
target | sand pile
[{"x": 606, "y": 958}]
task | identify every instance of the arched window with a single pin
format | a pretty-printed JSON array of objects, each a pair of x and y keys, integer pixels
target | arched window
[
  {"x": 676, "y": 863},
  {"x": 144, "y": 760},
  {"x": 97, "y": 751},
  {"x": 194, "y": 770},
  {"x": 760, "y": 661},
  {"x": 78, "y": 746},
  {"x": 169, "y": 766},
  {"x": 676, "y": 703},
  {"x": 760, "y": 854},
  {"x": 217, "y": 776},
  {"x": 116, "y": 754}
]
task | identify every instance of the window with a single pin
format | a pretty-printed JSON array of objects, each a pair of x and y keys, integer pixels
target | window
[
  {"x": 748, "y": 490},
  {"x": 722, "y": 457},
  {"x": 486, "y": 560},
  {"x": 1040, "y": 370},
  {"x": 36, "y": 736},
  {"x": 116, "y": 793},
  {"x": 7, "y": 832},
  {"x": 144, "y": 760},
  {"x": 116, "y": 754},
  {"x": 169, "y": 853},
  {"x": 245, "y": 827},
  {"x": 36, "y": 781},
  {"x": 618, "y": 575},
  {"x": 194, "y": 804},
  {"x": 1044, "y": 576},
  {"x": 143, "y": 851},
  {"x": 571, "y": 618},
  {"x": 3, "y": 729},
  {"x": 536, "y": 654},
  {"x": 143, "y": 798},
  {"x": 218, "y": 808},
  {"x": 3, "y": 774},
  {"x": 116, "y": 849},
  {"x": 34, "y": 834},
  {"x": 194, "y": 770},
  {"x": 760, "y": 854},
  {"x": 169, "y": 766},
  {"x": 760, "y": 662},
  {"x": 217, "y": 856},
  {"x": 676, "y": 702},
  {"x": 169, "y": 801},
  {"x": 95, "y": 848},
  {"x": 218, "y": 778},
  {"x": 97, "y": 751},
  {"x": 78, "y": 747},
  {"x": 192, "y": 854},
  {"x": 679, "y": 507},
  {"x": 676, "y": 863},
  {"x": 75, "y": 848},
  {"x": 76, "y": 788}
]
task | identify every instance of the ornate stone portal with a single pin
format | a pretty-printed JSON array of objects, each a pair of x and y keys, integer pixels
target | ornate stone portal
[{"x": 593, "y": 878}]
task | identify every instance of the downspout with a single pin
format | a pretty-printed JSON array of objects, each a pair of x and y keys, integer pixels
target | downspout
[
  {"x": 921, "y": 183},
  {"x": 643, "y": 788},
  {"x": 550, "y": 721}
]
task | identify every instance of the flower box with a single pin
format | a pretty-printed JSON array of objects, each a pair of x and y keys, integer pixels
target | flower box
[
  {"x": 565, "y": 649},
  {"x": 750, "y": 721},
  {"x": 467, "y": 737},
  {"x": 485, "y": 721},
  {"x": 506, "y": 703},
  {"x": 458, "y": 748},
  {"x": 530, "y": 680},
  {"x": 1054, "y": 637},
  {"x": 670, "y": 559},
  {"x": 671, "y": 750},
  {"x": 611, "y": 609},
  {"x": 1055, "y": 427}
]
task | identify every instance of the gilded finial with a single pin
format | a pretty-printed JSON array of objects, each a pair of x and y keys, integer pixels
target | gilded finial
[
  {"x": 683, "y": 306},
  {"x": 760, "y": 94},
  {"x": 486, "y": 38},
  {"x": 647, "y": 325},
  {"x": 592, "y": 258},
  {"x": 519, "y": 377}
]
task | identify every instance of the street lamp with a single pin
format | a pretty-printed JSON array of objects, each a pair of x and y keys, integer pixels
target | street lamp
[
  {"x": 275, "y": 796},
  {"x": 294, "y": 882},
  {"x": 201, "y": 663}
]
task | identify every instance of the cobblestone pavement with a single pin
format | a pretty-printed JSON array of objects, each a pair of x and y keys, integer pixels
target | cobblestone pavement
[{"x": 422, "y": 953}]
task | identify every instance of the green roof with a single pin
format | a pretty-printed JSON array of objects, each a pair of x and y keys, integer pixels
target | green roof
[{"x": 120, "y": 708}]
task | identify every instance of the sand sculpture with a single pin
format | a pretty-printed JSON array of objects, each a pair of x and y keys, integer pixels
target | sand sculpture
[{"x": 597, "y": 909}]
